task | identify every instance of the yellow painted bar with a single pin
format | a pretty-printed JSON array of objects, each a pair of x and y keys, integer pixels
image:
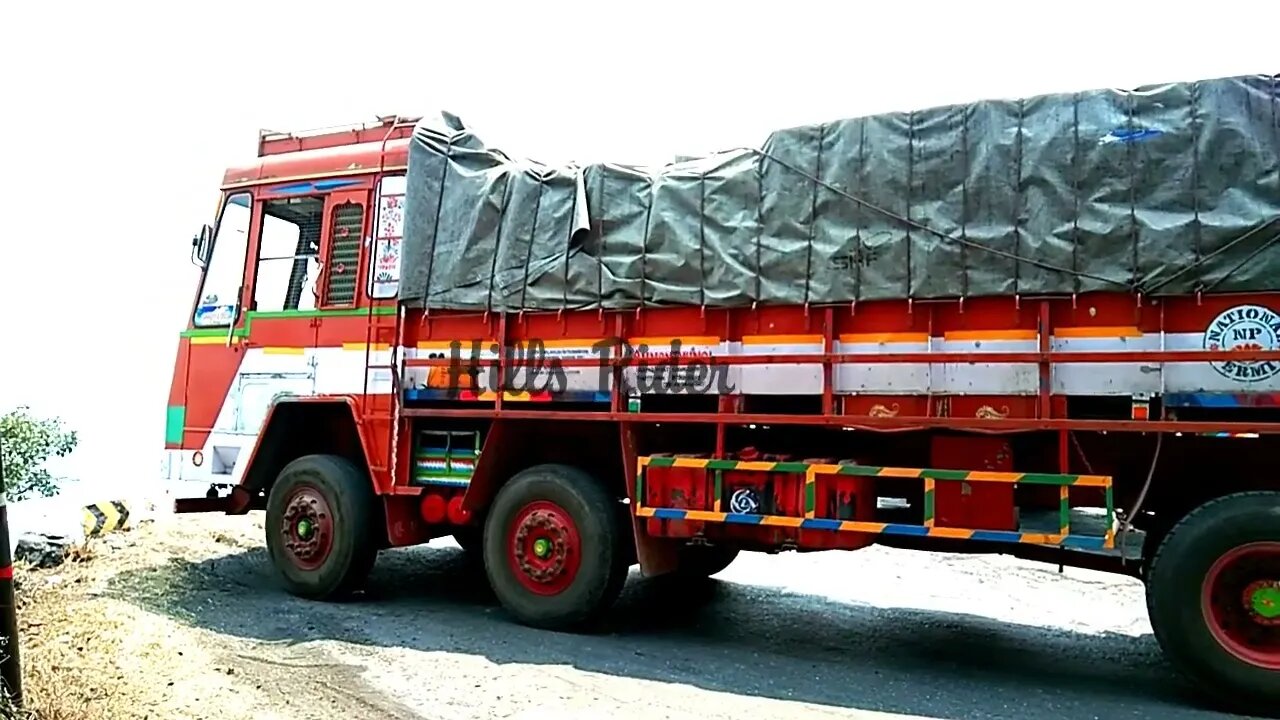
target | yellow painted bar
[
  {"x": 212, "y": 340},
  {"x": 1064, "y": 494},
  {"x": 681, "y": 462},
  {"x": 953, "y": 533},
  {"x": 824, "y": 469},
  {"x": 781, "y": 521},
  {"x": 856, "y": 526},
  {"x": 705, "y": 515},
  {"x": 361, "y": 347},
  {"x": 756, "y": 465},
  {"x": 990, "y": 476}
]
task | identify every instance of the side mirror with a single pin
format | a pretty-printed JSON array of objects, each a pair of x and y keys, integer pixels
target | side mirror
[{"x": 201, "y": 245}]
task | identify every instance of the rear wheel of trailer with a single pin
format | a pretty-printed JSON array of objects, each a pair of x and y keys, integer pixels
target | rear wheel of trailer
[{"x": 1213, "y": 592}]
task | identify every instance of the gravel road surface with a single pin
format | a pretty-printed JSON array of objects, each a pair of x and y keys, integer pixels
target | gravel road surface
[{"x": 878, "y": 633}]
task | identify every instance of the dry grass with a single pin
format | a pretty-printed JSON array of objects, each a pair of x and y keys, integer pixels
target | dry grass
[
  {"x": 70, "y": 645},
  {"x": 107, "y": 634}
]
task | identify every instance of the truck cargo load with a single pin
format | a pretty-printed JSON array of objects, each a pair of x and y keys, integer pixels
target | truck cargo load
[{"x": 1167, "y": 189}]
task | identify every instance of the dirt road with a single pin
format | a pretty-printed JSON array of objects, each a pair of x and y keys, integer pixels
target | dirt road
[{"x": 183, "y": 619}]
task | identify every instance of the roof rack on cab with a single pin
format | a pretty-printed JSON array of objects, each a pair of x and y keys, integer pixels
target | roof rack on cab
[{"x": 387, "y": 127}]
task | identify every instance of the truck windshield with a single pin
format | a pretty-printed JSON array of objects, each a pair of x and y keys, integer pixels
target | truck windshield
[{"x": 220, "y": 287}]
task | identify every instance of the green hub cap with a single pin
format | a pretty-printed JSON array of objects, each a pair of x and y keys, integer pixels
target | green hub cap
[
  {"x": 305, "y": 528},
  {"x": 542, "y": 547},
  {"x": 1266, "y": 601}
]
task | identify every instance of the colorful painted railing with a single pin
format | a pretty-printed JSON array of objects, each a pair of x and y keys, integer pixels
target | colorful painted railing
[
  {"x": 446, "y": 463},
  {"x": 928, "y": 528},
  {"x": 439, "y": 468}
]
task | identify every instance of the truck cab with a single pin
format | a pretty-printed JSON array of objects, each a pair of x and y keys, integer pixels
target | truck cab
[{"x": 302, "y": 253}]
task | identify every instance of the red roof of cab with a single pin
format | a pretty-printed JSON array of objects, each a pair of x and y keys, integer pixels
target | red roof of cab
[{"x": 343, "y": 151}]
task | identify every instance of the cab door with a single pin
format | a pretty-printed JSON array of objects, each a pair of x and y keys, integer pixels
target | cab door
[
  {"x": 203, "y": 426},
  {"x": 342, "y": 321},
  {"x": 283, "y": 306}
]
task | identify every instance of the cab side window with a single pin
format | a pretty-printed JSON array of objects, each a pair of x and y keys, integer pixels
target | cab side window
[
  {"x": 288, "y": 254},
  {"x": 219, "y": 298},
  {"x": 384, "y": 266}
]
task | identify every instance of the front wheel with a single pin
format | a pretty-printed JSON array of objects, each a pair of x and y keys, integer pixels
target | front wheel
[
  {"x": 322, "y": 526},
  {"x": 1213, "y": 593},
  {"x": 555, "y": 547}
]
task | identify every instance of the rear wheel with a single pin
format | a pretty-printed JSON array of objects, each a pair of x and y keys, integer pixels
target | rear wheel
[
  {"x": 321, "y": 526},
  {"x": 554, "y": 547},
  {"x": 1213, "y": 592}
]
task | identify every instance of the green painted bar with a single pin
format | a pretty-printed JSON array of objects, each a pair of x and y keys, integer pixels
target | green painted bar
[
  {"x": 810, "y": 499},
  {"x": 722, "y": 464},
  {"x": 861, "y": 470},
  {"x": 719, "y": 480},
  {"x": 175, "y": 421},
  {"x": 251, "y": 315},
  {"x": 791, "y": 467},
  {"x": 640, "y": 486},
  {"x": 928, "y": 506},
  {"x": 1048, "y": 479},
  {"x": 661, "y": 461},
  {"x": 945, "y": 474}
]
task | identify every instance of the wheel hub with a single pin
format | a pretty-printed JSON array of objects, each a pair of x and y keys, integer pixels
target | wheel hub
[
  {"x": 307, "y": 527},
  {"x": 545, "y": 548},
  {"x": 541, "y": 548},
  {"x": 1263, "y": 600},
  {"x": 1241, "y": 602}
]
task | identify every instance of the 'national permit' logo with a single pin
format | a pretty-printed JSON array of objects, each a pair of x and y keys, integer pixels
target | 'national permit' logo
[{"x": 1245, "y": 328}]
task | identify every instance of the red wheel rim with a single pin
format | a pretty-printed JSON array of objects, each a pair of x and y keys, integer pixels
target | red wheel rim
[
  {"x": 1241, "y": 603},
  {"x": 545, "y": 550},
  {"x": 307, "y": 527}
]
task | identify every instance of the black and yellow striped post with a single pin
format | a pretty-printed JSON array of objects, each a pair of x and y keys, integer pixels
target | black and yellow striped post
[
  {"x": 10, "y": 665},
  {"x": 103, "y": 517}
]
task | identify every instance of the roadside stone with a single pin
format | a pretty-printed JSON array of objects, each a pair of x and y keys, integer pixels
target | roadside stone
[{"x": 42, "y": 551}]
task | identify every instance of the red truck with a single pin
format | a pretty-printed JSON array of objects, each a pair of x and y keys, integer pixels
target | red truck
[{"x": 1044, "y": 327}]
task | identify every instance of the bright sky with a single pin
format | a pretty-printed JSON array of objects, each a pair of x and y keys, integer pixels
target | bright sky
[{"x": 120, "y": 119}]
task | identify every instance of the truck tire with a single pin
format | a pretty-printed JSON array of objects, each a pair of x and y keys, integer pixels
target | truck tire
[
  {"x": 1213, "y": 595},
  {"x": 554, "y": 547},
  {"x": 322, "y": 526},
  {"x": 703, "y": 561}
]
